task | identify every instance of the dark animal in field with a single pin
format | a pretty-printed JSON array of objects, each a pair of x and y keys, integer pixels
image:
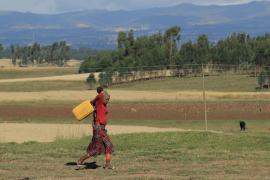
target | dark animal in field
[{"x": 242, "y": 125}]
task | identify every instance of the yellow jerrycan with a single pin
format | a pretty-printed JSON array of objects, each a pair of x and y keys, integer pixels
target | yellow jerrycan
[{"x": 83, "y": 110}]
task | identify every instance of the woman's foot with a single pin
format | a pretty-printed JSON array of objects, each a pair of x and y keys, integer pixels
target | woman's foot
[
  {"x": 80, "y": 166},
  {"x": 108, "y": 165}
]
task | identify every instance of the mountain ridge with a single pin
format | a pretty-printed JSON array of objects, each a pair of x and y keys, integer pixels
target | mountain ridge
[{"x": 99, "y": 28}]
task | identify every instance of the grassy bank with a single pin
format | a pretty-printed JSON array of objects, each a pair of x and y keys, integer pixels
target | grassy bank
[
  {"x": 145, "y": 156},
  {"x": 222, "y": 83}
]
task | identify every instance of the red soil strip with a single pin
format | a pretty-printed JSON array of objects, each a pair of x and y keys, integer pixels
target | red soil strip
[{"x": 152, "y": 111}]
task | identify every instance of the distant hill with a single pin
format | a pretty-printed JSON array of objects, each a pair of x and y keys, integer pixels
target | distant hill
[{"x": 99, "y": 28}]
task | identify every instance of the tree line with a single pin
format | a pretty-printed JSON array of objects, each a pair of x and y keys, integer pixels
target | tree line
[
  {"x": 1, "y": 48},
  {"x": 164, "y": 51},
  {"x": 56, "y": 54},
  {"x": 72, "y": 53}
]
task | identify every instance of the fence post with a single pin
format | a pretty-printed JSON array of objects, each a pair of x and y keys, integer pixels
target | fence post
[{"x": 204, "y": 100}]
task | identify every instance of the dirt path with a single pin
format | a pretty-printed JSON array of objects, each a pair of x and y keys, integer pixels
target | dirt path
[{"x": 15, "y": 132}]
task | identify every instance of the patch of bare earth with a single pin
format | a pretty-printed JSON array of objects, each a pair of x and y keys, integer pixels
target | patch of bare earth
[{"x": 12, "y": 132}]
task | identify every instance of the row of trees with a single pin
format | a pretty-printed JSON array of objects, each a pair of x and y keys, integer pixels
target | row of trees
[
  {"x": 157, "y": 49},
  {"x": 56, "y": 54},
  {"x": 73, "y": 53},
  {"x": 81, "y": 53},
  {"x": 164, "y": 50},
  {"x": 1, "y": 48}
]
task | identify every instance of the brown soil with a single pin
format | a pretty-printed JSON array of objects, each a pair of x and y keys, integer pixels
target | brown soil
[
  {"x": 155, "y": 111},
  {"x": 192, "y": 111}
]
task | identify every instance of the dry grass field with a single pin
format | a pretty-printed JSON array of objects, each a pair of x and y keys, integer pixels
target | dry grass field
[
  {"x": 136, "y": 96},
  {"x": 8, "y": 71},
  {"x": 73, "y": 86},
  {"x": 77, "y": 77},
  {"x": 7, "y": 63}
]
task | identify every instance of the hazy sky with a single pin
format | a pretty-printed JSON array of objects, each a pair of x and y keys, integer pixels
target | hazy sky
[{"x": 56, "y": 6}]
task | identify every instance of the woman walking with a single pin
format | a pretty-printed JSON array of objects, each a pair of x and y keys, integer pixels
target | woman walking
[{"x": 100, "y": 142}]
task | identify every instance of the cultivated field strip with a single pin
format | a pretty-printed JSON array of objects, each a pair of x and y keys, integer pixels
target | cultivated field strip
[
  {"x": 73, "y": 77},
  {"x": 122, "y": 95},
  {"x": 20, "y": 132}
]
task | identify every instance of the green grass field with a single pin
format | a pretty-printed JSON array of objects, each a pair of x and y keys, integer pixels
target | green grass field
[
  {"x": 37, "y": 86},
  {"x": 224, "y": 83},
  {"x": 190, "y": 155},
  {"x": 230, "y": 154},
  {"x": 227, "y": 126},
  {"x": 36, "y": 72}
]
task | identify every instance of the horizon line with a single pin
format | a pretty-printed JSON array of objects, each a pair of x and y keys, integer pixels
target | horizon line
[{"x": 130, "y": 10}]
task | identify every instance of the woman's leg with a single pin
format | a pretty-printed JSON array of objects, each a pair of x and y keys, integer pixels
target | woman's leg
[
  {"x": 108, "y": 162},
  {"x": 82, "y": 159}
]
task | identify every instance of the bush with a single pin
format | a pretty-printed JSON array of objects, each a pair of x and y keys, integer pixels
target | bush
[
  {"x": 105, "y": 79},
  {"x": 264, "y": 79},
  {"x": 91, "y": 81}
]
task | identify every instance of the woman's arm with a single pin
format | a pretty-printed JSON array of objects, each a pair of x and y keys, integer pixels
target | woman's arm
[{"x": 93, "y": 102}]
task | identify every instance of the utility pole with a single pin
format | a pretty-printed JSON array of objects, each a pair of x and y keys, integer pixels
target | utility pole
[
  {"x": 171, "y": 50},
  {"x": 204, "y": 100}
]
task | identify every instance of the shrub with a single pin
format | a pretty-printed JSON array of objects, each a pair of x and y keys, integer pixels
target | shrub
[
  {"x": 91, "y": 81},
  {"x": 105, "y": 79}
]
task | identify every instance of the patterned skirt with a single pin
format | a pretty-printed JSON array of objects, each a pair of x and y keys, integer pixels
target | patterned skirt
[{"x": 100, "y": 143}]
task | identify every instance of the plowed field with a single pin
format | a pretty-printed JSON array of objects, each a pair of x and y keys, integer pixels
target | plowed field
[{"x": 155, "y": 111}]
